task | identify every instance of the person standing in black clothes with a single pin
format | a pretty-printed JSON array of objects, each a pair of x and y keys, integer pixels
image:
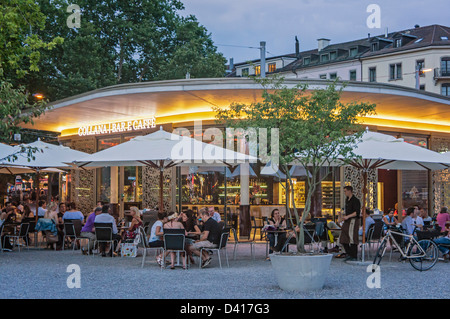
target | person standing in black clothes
[{"x": 349, "y": 236}]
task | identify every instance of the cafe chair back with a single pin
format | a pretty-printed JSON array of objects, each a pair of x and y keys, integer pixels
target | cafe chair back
[
  {"x": 222, "y": 247},
  {"x": 69, "y": 232},
  {"x": 103, "y": 234},
  {"x": 23, "y": 233},
  {"x": 255, "y": 225},
  {"x": 1, "y": 236},
  {"x": 173, "y": 243},
  {"x": 145, "y": 245},
  {"x": 238, "y": 241}
]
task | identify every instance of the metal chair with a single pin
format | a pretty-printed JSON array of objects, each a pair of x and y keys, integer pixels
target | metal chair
[
  {"x": 23, "y": 233},
  {"x": 145, "y": 245},
  {"x": 255, "y": 227},
  {"x": 222, "y": 246},
  {"x": 69, "y": 232},
  {"x": 237, "y": 242},
  {"x": 374, "y": 234},
  {"x": 1, "y": 235},
  {"x": 103, "y": 234},
  {"x": 174, "y": 243}
]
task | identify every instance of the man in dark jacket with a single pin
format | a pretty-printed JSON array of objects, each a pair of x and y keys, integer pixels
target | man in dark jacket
[{"x": 349, "y": 236}]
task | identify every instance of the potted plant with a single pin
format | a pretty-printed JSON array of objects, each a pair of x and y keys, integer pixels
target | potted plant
[{"x": 314, "y": 128}]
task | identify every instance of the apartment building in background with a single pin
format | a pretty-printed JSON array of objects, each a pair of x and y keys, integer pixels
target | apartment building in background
[{"x": 415, "y": 58}]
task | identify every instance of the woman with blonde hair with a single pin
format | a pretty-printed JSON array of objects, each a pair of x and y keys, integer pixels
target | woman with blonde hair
[
  {"x": 51, "y": 212},
  {"x": 133, "y": 230},
  {"x": 173, "y": 223}
]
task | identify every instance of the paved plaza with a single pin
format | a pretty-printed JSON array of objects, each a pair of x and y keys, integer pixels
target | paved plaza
[{"x": 43, "y": 274}]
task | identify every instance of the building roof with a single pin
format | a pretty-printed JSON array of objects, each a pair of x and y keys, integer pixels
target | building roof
[{"x": 417, "y": 37}]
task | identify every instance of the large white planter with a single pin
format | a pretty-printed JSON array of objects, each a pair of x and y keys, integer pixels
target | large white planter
[{"x": 301, "y": 272}]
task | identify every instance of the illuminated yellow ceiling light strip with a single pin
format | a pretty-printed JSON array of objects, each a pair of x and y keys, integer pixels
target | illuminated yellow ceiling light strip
[
  {"x": 377, "y": 121},
  {"x": 443, "y": 122},
  {"x": 399, "y": 124}
]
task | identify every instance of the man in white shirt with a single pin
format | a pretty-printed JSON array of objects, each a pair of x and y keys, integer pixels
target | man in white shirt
[
  {"x": 418, "y": 221},
  {"x": 42, "y": 208},
  {"x": 106, "y": 217},
  {"x": 214, "y": 215}
]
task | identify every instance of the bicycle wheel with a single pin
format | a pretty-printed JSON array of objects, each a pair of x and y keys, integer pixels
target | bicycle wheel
[
  {"x": 380, "y": 252},
  {"x": 431, "y": 255}
]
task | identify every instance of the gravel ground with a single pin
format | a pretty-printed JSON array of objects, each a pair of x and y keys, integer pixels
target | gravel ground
[{"x": 43, "y": 274}]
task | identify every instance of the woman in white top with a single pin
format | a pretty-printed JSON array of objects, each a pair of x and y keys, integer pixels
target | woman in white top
[{"x": 156, "y": 233}]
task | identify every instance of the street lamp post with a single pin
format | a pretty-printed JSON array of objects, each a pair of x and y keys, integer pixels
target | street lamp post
[{"x": 418, "y": 73}]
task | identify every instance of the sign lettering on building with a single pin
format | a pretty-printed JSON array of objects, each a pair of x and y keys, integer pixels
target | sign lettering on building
[{"x": 117, "y": 127}]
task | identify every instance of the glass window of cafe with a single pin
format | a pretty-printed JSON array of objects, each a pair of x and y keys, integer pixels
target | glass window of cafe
[
  {"x": 415, "y": 183},
  {"x": 200, "y": 187},
  {"x": 132, "y": 176}
]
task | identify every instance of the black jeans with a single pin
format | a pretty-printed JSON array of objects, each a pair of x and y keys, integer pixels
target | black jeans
[{"x": 351, "y": 250}]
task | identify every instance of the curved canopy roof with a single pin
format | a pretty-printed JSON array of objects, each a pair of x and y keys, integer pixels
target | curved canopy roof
[{"x": 178, "y": 101}]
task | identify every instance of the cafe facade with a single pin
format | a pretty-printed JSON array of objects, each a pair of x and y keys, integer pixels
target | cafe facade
[{"x": 106, "y": 117}]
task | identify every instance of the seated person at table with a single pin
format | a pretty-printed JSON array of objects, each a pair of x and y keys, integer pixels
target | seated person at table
[
  {"x": 132, "y": 231},
  {"x": 408, "y": 221},
  {"x": 277, "y": 222},
  {"x": 6, "y": 219},
  {"x": 389, "y": 219},
  {"x": 192, "y": 229},
  {"x": 210, "y": 238},
  {"x": 88, "y": 230},
  {"x": 61, "y": 212},
  {"x": 173, "y": 223},
  {"x": 106, "y": 217},
  {"x": 27, "y": 213},
  {"x": 73, "y": 213},
  {"x": 418, "y": 221},
  {"x": 214, "y": 215},
  {"x": 424, "y": 215},
  {"x": 42, "y": 205},
  {"x": 51, "y": 212},
  {"x": 444, "y": 241},
  {"x": 442, "y": 218},
  {"x": 189, "y": 222},
  {"x": 156, "y": 235},
  {"x": 369, "y": 221}
]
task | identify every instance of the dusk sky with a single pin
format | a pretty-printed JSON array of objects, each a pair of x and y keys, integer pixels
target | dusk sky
[{"x": 247, "y": 22}]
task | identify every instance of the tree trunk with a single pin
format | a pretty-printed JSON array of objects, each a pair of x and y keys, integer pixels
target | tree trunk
[{"x": 119, "y": 70}]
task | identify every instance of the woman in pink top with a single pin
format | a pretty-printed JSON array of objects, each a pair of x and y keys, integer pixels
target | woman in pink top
[{"x": 442, "y": 218}]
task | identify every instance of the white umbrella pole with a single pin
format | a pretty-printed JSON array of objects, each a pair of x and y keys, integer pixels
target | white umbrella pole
[
  {"x": 37, "y": 194},
  {"x": 161, "y": 189},
  {"x": 364, "y": 214}
]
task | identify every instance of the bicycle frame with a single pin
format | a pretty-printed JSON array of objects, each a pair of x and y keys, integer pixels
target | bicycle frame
[{"x": 412, "y": 241}]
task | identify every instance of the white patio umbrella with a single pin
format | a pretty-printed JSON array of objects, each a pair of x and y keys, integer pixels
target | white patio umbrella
[
  {"x": 271, "y": 169},
  {"x": 378, "y": 150},
  {"x": 5, "y": 150},
  {"x": 237, "y": 172},
  {"x": 47, "y": 158},
  {"x": 185, "y": 170},
  {"x": 162, "y": 150}
]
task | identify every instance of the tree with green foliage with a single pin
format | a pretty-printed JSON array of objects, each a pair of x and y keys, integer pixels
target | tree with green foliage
[
  {"x": 314, "y": 130},
  {"x": 122, "y": 42},
  {"x": 20, "y": 52}
]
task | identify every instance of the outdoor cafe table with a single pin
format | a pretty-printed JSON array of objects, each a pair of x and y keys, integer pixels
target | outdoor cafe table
[{"x": 276, "y": 233}]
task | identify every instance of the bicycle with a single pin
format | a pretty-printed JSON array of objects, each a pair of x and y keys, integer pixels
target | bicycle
[{"x": 422, "y": 254}]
